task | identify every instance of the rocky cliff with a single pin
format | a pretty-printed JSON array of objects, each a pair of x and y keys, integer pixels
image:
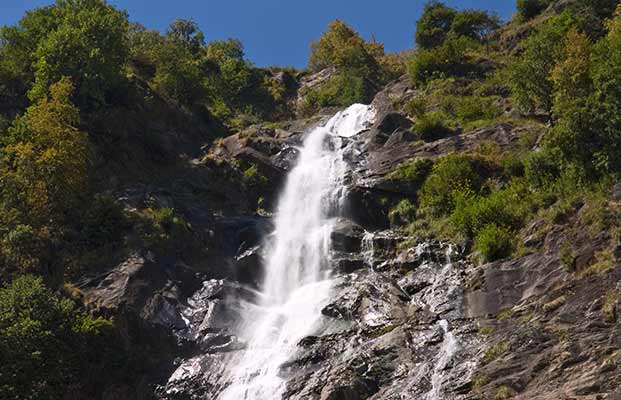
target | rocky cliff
[{"x": 411, "y": 318}]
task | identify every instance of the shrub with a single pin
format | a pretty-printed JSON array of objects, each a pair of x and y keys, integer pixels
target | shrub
[
  {"x": 415, "y": 169},
  {"x": 162, "y": 230},
  {"x": 342, "y": 90},
  {"x": 403, "y": 213},
  {"x": 542, "y": 167},
  {"x": 567, "y": 258},
  {"x": 443, "y": 61},
  {"x": 454, "y": 175},
  {"x": 474, "y": 108},
  {"x": 472, "y": 214},
  {"x": 416, "y": 107},
  {"x": 432, "y": 126},
  {"x": 494, "y": 243},
  {"x": 254, "y": 178},
  {"x": 529, "y": 9},
  {"x": 503, "y": 393},
  {"x": 610, "y": 305}
]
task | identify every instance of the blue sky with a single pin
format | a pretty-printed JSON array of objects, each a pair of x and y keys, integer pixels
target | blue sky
[{"x": 278, "y": 32}]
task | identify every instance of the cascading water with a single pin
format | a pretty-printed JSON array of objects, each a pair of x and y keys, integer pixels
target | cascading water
[{"x": 297, "y": 275}]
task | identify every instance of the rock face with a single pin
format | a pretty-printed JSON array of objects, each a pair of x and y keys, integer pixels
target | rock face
[
  {"x": 407, "y": 319},
  {"x": 380, "y": 337}
]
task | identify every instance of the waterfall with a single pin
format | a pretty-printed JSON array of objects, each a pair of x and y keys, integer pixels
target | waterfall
[
  {"x": 447, "y": 351},
  {"x": 296, "y": 284}
]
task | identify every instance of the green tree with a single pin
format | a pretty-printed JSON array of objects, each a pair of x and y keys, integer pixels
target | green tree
[
  {"x": 571, "y": 108},
  {"x": 434, "y": 24},
  {"x": 341, "y": 46},
  {"x": 606, "y": 98},
  {"x": 531, "y": 72},
  {"x": 47, "y": 345},
  {"x": 475, "y": 24},
  {"x": 439, "y": 22},
  {"x": 43, "y": 176},
  {"x": 88, "y": 44},
  {"x": 229, "y": 76},
  {"x": 529, "y": 9},
  {"x": 187, "y": 33}
]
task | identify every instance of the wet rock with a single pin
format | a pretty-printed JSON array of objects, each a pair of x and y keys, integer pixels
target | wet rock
[
  {"x": 349, "y": 265},
  {"x": 346, "y": 236},
  {"x": 248, "y": 266}
]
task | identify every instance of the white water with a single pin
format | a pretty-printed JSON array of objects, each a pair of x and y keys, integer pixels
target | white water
[
  {"x": 297, "y": 281},
  {"x": 447, "y": 351}
]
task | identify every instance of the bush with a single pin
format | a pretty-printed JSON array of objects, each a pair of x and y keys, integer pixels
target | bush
[
  {"x": 162, "y": 230},
  {"x": 529, "y": 9},
  {"x": 453, "y": 176},
  {"x": 415, "y": 107},
  {"x": 494, "y": 243},
  {"x": 472, "y": 214},
  {"x": 541, "y": 168},
  {"x": 415, "y": 170},
  {"x": 342, "y": 90},
  {"x": 403, "y": 213},
  {"x": 475, "y": 108},
  {"x": 432, "y": 126},
  {"x": 443, "y": 61},
  {"x": 254, "y": 178}
]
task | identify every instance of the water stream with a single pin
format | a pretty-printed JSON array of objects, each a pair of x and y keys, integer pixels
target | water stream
[{"x": 297, "y": 280}]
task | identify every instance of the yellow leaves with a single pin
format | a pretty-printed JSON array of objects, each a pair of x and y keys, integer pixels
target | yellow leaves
[{"x": 47, "y": 165}]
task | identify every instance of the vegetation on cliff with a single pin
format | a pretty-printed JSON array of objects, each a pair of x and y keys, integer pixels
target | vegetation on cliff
[{"x": 79, "y": 83}]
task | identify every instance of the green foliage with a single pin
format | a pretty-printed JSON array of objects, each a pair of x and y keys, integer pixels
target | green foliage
[
  {"x": 432, "y": 126},
  {"x": 416, "y": 107},
  {"x": 447, "y": 59},
  {"x": 46, "y": 344},
  {"x": 542, "y": 167},
  {"x": 177, "y": 73},
  {"x": 503, "y": 393},
  {"x": 529, "y": 9},
  {"x": 415, "y": 170},
  {"x": 162, "y": 230},
  {"x": 531, "y": 73},
  {"x": 186, "y": 33},
  {"x": 342, "y": 47},
  {"x": 475, "y": 108},
  {"x": 342, "y": 90},
  {"x": 438, "y": 22},
  {"x": 472, "y": 214},
  {"x": 403, "y": 213},
  {"x": 494, "y": 243},
  {"x": 88, "y": 45},
  {"x": 495, "y": 351},
  {"x": 434, "y": 24},
  {"x": 361, "y": 68},
  {"x": 43, "y": 174},
  {"x": 452, "y": 176},
  {"x": 253, "y": 178},
  {"x": 610, "y": 305}
]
